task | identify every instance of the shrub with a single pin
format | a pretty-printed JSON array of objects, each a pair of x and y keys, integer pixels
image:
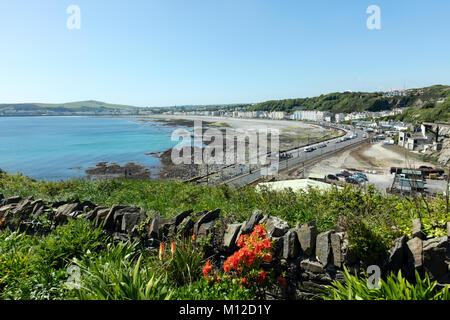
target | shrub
[
  {"x": 184, "y": 264},
  {"x": 246, "y": 264},
  {"x": 117, "y": 275},
  {"x": 69, "y": 241},
  {"x": 15, "y": 258}
]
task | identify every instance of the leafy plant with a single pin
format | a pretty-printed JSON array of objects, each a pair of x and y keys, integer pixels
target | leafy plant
[
  {"x": 204, "y": 289},
  {"x": 69, "y": 241},
  {"x": 184, "y": 265},
  {"x": 395, "y": 287},
  {"x": 117, "y": 275}
]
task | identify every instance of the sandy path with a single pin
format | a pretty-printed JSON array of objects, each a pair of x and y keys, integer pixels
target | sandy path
[
  {"x": 368, "y": 157},
  {"x": 373, "y": 157}
]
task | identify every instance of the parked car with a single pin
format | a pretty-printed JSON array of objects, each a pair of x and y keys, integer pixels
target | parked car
[
  {"x": 332, "y": 177},
  {"x": 358, "y": 179},
  {"x": 346, "y": 173},
  {"x": 351, "y": 180},
  {"x": 343, "y": 174},
  {"x": 362, "y": 175}
]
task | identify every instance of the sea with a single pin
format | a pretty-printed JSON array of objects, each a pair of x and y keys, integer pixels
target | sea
[{"x": 62, "y": 148}]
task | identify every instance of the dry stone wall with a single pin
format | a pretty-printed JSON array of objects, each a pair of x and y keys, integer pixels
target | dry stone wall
[{"x": 310, "y": 259}]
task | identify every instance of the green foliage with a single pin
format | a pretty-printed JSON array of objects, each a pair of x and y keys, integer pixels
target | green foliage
[
  {"x": 225, "y": 289},
  {"x": 24, "y": 275},
  {"x": 386, "y": 216},
  {"x": 42, "y": 283},
  {"x": 366, "y": 101},
  {"x": 185, "y": 267},
  {"x": 368, "y": 244},
  {"x": 427, "y": 113},
  {"x": 116, "y": 274},
  {"x": 68, "y": 242},
  {"x": 15, "y": 259},
  {"x": 395, "y": 287}
]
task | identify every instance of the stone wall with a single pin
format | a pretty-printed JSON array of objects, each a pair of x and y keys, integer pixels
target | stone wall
[{"x": 310, "y": 259}]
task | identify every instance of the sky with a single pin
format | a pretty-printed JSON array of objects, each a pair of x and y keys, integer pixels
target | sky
[{"x": 184, "y": 52}]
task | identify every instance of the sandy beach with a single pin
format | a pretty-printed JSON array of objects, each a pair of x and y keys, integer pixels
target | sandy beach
[
  {"x": 238, "y": 123},
  {"x": 292, "y": 133}
]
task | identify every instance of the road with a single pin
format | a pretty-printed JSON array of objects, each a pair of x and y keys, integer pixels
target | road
[{"x": 300, "y": 156}]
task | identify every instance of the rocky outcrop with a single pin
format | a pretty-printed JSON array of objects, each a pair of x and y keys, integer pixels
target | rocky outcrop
[
  {"x": 230, "y": 237},
  {"x": 307, "y": 234},
  {"x": 323, "y": 247},
  {"x": 436, "y": 258}
]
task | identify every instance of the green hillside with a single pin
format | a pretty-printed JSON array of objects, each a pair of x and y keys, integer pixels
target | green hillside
[
  {"x": 91, "y": 107},
  {"x": 84, "y": 104},
  {"x": 431, "y": 103}
]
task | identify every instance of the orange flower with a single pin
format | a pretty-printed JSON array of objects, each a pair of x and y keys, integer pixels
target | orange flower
[
  {"x": 244, "y": 281},
  {"x": 262, "y": 276},
  {"x": 282, "y": 281},
  {"x": 207, "y": 269},
  {"x": 194, "y": 237},
  {"x": 173, "y": 247},
  {"x": 1, "y": 223},
  {"x": 161, "y": 251},
  {"x": 254, "y": 249}
]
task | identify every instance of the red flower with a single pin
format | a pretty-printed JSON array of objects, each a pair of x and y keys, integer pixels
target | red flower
[
  {"x": 268, "y": 257},
  {"x": 261, "y": 277},
  {"x": 207, "y": 269},
  {"x": 254, "y": 249},
  {"x": 241, "y": 240},
  {"x": 282, "y": 281},
  {"x": 259, "y": 230}
]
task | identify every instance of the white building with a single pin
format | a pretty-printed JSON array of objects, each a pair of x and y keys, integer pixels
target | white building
[
  {"x": 339, "y": 117},
  {"x": 277, "y": 115}
]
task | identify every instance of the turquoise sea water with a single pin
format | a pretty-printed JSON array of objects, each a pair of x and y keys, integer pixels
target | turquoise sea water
[{"x": 54, "y": 148}]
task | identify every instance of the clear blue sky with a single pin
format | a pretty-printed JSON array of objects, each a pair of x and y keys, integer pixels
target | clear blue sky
[{"x": 174, "y": 52}]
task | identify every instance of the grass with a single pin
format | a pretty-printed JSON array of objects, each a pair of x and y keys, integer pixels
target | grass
[
  {"x": 382, "y": 213},
  {"x": 37, "y": 267}
]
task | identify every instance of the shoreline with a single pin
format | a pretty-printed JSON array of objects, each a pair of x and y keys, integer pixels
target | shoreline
[{"x": 291, "y": 135}]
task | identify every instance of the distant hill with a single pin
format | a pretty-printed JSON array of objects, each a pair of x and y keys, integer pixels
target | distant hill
[
  {"x": 428, "y": 104},
  {"x": 71, "y": 108}
]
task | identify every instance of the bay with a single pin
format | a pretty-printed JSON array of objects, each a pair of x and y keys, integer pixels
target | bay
[{"x": 60, "y": 148}]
